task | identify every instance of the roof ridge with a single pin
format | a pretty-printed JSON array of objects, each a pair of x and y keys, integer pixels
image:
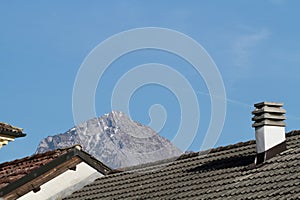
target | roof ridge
[
  {"x": 184, "y": 156},
  {"x": 215, "y": 150},
  {"x": 230, "y": 146},
  {"x": 192, "y": 154},
  {"x": 33, "y": 156},
  {"x": 293, "y": 133}
]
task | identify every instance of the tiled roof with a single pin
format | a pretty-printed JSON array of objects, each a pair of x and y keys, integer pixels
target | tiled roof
[
  {"x": 8, "y": 129},
  {"x": 14, "y": 170},
  {"x": 23, "y": 175},
  {"x": 222, "y": 173}
]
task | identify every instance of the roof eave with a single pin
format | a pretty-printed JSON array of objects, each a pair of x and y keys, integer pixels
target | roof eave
[
  {"x": 13, "y": 134},
  {"x": 35, "y": 174}
]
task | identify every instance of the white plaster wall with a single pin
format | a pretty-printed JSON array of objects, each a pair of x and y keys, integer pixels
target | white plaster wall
[
  {"x": 268, "y": 137},
  {"x": 65, "y": 184}
]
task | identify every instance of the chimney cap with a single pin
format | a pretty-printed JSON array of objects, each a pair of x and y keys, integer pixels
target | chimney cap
[
  {"x": 268, "y": 116},
  {"x": 266, "y": 109},
  {"x": 266, "y": 103},
  {"x": 268, "y": 122}
]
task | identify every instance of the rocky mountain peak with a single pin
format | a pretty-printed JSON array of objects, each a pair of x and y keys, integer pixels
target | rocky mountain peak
[{"x": 114, "y": 139}]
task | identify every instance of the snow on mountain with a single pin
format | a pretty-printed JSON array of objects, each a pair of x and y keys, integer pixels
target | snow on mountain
[{"x": 115, "y": 140}]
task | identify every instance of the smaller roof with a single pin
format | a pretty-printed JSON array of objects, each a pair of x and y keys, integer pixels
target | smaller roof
[
  {"x": 13, "y": 131},
  {"x": 21, "y": 176}
]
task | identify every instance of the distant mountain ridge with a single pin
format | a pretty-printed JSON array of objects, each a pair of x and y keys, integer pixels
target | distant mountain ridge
[{"x": 115, "y": 140}]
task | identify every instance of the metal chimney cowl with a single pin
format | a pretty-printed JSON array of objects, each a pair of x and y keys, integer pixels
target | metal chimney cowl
[{"x": 269, "y": 130}]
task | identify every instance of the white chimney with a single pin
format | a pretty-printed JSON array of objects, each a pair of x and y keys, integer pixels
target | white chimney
[{"x": 269, "y": 130}]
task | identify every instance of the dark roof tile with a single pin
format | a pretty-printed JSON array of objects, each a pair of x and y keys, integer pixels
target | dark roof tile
[{"x": 221, "y": 173}]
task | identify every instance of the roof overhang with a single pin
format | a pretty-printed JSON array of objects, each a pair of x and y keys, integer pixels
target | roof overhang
[{"x": 43, "y": 174}]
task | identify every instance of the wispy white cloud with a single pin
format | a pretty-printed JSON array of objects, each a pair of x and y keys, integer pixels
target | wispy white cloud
[{"x": 245, "y": 45}]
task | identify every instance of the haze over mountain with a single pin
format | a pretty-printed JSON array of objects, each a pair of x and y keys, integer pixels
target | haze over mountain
[{"x": 115, "y": 140}]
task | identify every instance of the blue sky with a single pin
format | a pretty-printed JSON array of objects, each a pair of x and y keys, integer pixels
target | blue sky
[{"x": 255, "y": 45}]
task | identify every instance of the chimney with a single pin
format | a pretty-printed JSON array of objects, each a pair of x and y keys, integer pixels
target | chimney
[{"x": 269, "y": 130}]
